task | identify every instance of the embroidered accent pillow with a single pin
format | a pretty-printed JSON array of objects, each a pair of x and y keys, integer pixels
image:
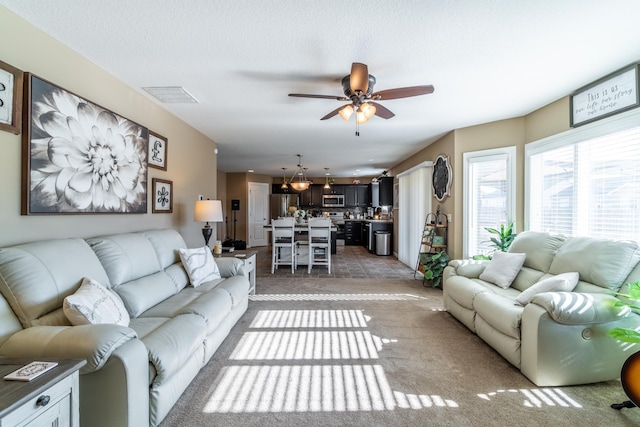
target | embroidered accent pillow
[
  {"x": 94, "y": 304},
  {"x": 200, "y": 265}
]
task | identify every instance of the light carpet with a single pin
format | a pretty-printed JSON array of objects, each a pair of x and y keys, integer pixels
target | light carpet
[{"x": 360, "y": 352}]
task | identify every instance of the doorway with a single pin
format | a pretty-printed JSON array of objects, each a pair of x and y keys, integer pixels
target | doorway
[{"x": 258, "y": 213}]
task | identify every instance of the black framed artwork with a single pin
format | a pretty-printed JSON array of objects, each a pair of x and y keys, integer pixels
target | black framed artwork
[
  {"x": 11, "y": 81},
  {"x": 162, "y": 191},
  {"x": 78, "y": 157}
]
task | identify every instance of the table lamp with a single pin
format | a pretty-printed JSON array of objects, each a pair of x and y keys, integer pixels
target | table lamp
[{"x": 208, "y": 211}]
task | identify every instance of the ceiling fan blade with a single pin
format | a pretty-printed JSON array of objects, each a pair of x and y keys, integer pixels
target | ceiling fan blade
[
  {"x": 359, "y": 78},
  {"x": 333, "y": 113},
  {"x": 306, "y": 95},
  {"x": 381, "y": 111},
  {"x": 403, "y": 92}
]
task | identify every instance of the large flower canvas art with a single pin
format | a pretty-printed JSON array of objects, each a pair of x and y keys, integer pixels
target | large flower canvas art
[{"x": 80, "y": 157}]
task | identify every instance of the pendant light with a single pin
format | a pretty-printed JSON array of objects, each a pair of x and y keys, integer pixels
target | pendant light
[
  {"x": 284, "y": 179},
  {"x": 301, "y": 184},
  {"x": 326, "y": 179}
]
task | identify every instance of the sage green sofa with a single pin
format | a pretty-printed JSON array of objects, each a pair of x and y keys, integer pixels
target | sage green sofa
[
  {"x": 134, "y": 374},
  {"x": 558, "y": 338}
]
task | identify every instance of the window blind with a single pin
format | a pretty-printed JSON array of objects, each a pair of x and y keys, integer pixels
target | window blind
[{"x": 588, "y": 188}]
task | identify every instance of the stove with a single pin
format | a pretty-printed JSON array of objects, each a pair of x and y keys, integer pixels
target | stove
[{"x": 337, "y": 218}]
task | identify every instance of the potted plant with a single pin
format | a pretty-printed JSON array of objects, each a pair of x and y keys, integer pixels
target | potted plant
[
  {"x": 432, "y": 266},
  {"x": 502, "y": 241},
  {"x": 631, "y": 300}
]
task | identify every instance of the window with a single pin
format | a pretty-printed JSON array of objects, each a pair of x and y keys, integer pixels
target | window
[
  {"x": 586, "y": 181},
  {"x": 489, "y": 196}
]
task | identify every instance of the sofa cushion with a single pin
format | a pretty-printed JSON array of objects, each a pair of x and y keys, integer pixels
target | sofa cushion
[
  {"x": 499, "y": 312},
  {"x": 200, "y": 265},
  {"x": 94, "y": 304},
  {"x": 36, "y": 277},
  {"x": 562, "y": 282},
  {"x": 503, "y": 268},
  {"x": 170, "y": 341},
  {"x": 540, "y": 248},
  {"x": 141, "y": 294},
  {"x": 125, "y": 257},
  {"x": 166, "y": 243},
  {"x": 603, "y": 262}
]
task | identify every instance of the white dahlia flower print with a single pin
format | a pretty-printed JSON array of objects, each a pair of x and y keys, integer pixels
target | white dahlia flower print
[{"x": 84, "y": 158}]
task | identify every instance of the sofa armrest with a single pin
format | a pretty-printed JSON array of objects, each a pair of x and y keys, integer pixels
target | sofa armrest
[
  {"x": 580, "y": 308},
  {"x": 231, "y": 266},
  {"x": 471, "y": 269},
  {"x": 93, "y": 343}
]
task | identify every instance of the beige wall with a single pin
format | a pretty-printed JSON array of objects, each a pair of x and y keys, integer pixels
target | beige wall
[{"x": 191, "y": 160}]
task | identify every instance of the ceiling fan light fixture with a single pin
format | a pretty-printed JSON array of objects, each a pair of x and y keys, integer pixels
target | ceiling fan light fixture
[
  {"x": 369, "y": 110},
  {"x": 346, "y": 112},
  {"x": 361, "y": 118}
]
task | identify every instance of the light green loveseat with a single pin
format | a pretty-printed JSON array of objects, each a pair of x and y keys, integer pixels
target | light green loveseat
[
  {"x": 559, "y": 338},
  {"x": 135, "y": 374}
]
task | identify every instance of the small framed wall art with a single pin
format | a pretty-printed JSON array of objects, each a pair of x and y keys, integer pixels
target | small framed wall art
[
  {"x": 162, "y": 191},
  {"x": 157, "y": 151},
  {"x": 10, "y": 98}
]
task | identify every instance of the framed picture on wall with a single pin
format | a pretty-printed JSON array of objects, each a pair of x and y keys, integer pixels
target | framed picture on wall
[
  {"x": 157, "y": 151},
  {"x": 79, "y": 157},
  {"x": 162, "y": 191},
  {"x": 10, "y": 98}
]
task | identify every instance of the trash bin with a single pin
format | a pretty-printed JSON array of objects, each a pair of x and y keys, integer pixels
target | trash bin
[{"x": 383, "y": 243}]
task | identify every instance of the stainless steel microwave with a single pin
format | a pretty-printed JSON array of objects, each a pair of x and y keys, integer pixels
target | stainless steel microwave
[{"x": 332, "y": 200}]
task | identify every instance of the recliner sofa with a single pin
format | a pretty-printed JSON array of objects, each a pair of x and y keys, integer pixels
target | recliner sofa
[
  {"x": 558, "y": 338},
  {"x": 134, "y": 374}
]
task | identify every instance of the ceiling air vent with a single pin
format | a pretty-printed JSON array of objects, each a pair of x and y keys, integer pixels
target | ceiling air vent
[{"x": 171, "y": 94}]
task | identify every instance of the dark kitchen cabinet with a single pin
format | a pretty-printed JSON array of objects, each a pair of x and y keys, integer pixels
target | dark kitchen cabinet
[
  {"x": 357, "y": 195},
  {"x": 353, "y": 233},
  {"x": 312, "y": 197},
  {"x": 334, "y": 189},
  {"x": 386, "y": 191}
]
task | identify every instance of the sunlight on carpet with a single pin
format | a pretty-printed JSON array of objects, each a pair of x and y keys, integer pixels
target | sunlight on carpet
[
  {"x": 310, "y": 319},
  {"x": 289, "y": 339},
  {"x": 311, "y": 388},
  {"x": 334, "y": 297},
  {"x": 538, "y": 398}
]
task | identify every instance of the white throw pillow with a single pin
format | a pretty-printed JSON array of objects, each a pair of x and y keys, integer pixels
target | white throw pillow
[
  {"x": 564, "y": 282},
  {"x": 503, "y": 268},
  {"x": 200, "y": 265},
  {"x": 93, "y": 304}
]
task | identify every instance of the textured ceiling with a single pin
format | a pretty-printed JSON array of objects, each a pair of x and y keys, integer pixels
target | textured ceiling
[{"x": 487, "y": 59}]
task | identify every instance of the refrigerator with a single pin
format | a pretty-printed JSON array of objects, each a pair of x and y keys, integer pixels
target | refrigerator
[{"x": 280, "y": 204}]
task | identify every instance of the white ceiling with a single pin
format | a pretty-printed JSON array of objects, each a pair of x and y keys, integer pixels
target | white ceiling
[{"x": 487, "y": 59}]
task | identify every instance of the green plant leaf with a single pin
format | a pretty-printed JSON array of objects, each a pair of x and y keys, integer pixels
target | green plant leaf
[{"x": 625, "y": 335}]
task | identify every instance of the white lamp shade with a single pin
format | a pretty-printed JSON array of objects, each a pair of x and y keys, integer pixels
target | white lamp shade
[{"x": 208, "y": 211}]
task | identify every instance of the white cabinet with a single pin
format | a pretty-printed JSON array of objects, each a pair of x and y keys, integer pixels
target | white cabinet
[{"x": 49, "y": 400}]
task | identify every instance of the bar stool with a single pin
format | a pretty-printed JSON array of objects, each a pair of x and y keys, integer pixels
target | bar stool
[
  {"x": 282, "y": 238},
  {"x": 319, "y": 243}
]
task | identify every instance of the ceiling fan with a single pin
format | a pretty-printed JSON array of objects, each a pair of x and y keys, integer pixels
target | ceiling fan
[{"x": 358, "y": 88}]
